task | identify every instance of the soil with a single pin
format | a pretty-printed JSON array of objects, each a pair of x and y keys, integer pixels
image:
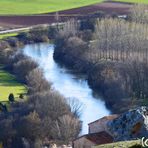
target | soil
[{"x": 107, "y": 7}]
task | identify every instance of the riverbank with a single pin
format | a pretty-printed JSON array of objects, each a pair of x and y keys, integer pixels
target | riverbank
[
  {"x": 44, "y": 107},
  {"x": 111, "y": 69},
  {"x": 78, "y": 61},
  {"x": 82, "y": 92},
  {"x": 88, "y": 69},
  {"x": 68, "y": 84}
]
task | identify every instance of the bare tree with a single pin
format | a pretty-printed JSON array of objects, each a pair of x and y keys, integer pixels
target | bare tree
[
  {"x": 36, "y": 82},
  {"x": 70, "y": 28},
  {"x": 139, "y": 13},
  {"x": 75, "y": 107},
  {"x": 127, "y": 39},
  {"x": 23, "y": 67},
  {"x": 66, "y": 129}
]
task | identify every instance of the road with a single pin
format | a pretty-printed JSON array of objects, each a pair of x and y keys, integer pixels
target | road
[{"x": 28, "y": 28}]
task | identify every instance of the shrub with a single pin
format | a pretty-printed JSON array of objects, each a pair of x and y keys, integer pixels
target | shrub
[
  {"x": 24, "y": 37},
  {"x": 36, "y": 82},
  {"x": 11, "y": 98},
  {"x": 13, "y": 41},
  {"x": 87, "y": 24},
  {"x": 39, "y": 34},
  {"x": 21, "y": 96},
  {"x": 23, "y": 67}
]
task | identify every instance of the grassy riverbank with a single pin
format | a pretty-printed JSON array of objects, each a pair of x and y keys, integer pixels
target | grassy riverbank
[
  {"x": 2, "y": 36},
  {"x": 9, "y": 84}
]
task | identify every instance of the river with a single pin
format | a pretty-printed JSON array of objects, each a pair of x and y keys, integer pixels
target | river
[{"x": 68, "y": 84}]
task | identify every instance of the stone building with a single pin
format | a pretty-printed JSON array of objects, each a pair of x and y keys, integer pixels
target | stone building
[
  {"x": 93, "y": 139},
  {"x": 130, "y": 125},
  {"x": 101, "y": 124},
  {"x": 97, "y": 135}
]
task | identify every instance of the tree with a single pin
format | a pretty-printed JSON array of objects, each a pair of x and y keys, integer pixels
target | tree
[
  {"x": 87, "y": 24},
  {"x": 66, "y": 129},
  {"x": 70, "y": 28},
  {"x": 7, "y": 131},
  {"x": 37, "y": 82},
  {"x": 23, "y": 67},
  {"x": 21, "y": 96},
  {"x": 49, "y": 104},
  {"x": 11, "y": 97},
  {"x": 29, "y": 126},
  {"x": 39, "y": 34},
  {"x": 24, "y": 37},
  {"x": 3, "y": 107},
  {"x": 75, "y": 107},
  {"x": 117, "y": 39},
  {"x": 139, "y": 13},
  {"x": 13, "y": 41}
]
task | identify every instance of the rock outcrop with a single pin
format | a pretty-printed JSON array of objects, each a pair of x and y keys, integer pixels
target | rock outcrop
[{"x": 132, "y": 124}]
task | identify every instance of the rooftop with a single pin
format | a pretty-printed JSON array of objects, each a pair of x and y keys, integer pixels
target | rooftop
[
  {"x": 98, "y": 138},
  {"x": 110, "y": 117}
]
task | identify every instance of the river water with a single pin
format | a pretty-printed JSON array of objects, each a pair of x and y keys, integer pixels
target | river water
[{"x": 68, "y": 84}]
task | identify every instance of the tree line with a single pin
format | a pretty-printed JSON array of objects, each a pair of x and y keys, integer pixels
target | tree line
[
  {"x": 113, "y": 55},
  {"x": 45, "y": 117},
  {"x": 116, "y": 39}
]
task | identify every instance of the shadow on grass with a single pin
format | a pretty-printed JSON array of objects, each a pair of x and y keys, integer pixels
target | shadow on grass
[{"x": 7, "y": 79}]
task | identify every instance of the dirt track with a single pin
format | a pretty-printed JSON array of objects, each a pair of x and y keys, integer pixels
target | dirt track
[{"x": 107, "y": 7}]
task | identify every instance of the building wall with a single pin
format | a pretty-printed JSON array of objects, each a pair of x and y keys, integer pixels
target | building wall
[
  {"x": 83, "y": 142},
  {"x": 98, "y": 126}
]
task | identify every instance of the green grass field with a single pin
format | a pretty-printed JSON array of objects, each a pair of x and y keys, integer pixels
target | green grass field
[
  {"x": 2, "y": 36},
  {"x": 20, "y": 7},
  {"x": 8, "y": 84},
  {"x": 124, "y": 144},
  {"x": 133, "y": 1}
]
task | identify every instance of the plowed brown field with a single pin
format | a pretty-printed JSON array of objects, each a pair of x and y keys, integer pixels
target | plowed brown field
[{"x": 107, "y": 7}]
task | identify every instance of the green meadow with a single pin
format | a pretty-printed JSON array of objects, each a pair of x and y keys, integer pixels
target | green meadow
[
  {"x": 28, "y": 7},
  {"x": 133, "y": 1},
  {"x": 2, "y": 36},
  {"x": 22, "y": 7},
  {"x": 9, "y": 84}
]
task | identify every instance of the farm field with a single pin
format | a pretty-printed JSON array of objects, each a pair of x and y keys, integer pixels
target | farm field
[
  {"x": 21, "y": 7},
  {"x": 2, "y": 36},
  {"x": 8, "y": 84},
  {"x": 133, "y": 1},
  {"x": 29, "y": 20}
]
